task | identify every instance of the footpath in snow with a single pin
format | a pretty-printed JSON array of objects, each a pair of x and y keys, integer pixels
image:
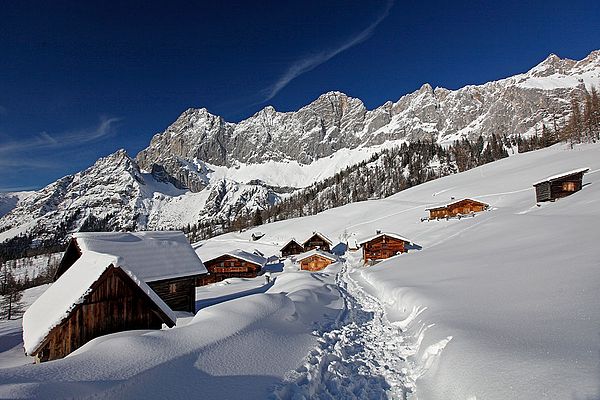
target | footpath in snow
[{"x": 361, "y": 355}]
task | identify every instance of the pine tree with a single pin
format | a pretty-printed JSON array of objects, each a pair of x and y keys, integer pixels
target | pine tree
[{"x": 11, "y": 303}]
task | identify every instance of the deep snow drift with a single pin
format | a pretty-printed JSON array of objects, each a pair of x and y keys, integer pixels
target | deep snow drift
[{"x": 503, "y": 305}]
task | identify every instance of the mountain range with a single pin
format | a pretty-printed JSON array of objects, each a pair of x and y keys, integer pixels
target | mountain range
[{"x": 205, "y": 169}]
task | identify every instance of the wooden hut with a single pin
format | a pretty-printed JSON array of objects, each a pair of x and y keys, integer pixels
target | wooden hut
[
  {"x": 460, "y": 207},
  {"x": 315, "y": 260},
  {"x": 233, "y": 264},
  {"x": 291, "y": 248},
  {"x": 164, "y": 260},
  {"x": 383, "y": 245},
  {"x": 94, "y": 297},
  {"x": 559, "y": 186},
  {"x": 317, "y": 240}
]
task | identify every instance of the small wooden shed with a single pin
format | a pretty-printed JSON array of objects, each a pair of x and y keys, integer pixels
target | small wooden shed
[
  {"x": 460, "y": 207},
  {"x": 234, "y": 264},
  {"x": 292, "y": 247},
  {"x": 315, "y": 260},
  {"x": 383, "y": 245},
  {"x": 560, "y": 185},
  {"x": 164, "y": 260},
  {"x": 317, "y": 240},
  {"x": 94, "y": 297}
]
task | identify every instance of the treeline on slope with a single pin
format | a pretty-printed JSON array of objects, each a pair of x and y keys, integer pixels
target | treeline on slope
[
  {"x": 582, "y": 127},
  {"x": 384, "y": 174}
]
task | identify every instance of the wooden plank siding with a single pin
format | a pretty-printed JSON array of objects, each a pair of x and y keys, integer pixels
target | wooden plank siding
[
  {"x": 382, "y": 247},
  {"x": 114, "y": 304},
  {"x": 179, "y": 293},
  {"x": 559, "y": 188},
  {"x": 316, "y": 241},
  {"x": 291, "y": 248},
  {"x": 461, "y": 207},
  {"x": 314, "y": 263},
  {"x": 228, "y": 266}
]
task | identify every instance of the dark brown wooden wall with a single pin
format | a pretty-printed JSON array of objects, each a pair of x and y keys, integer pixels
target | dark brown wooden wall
[
  {"x": 179, "y": 293},
  {"x": 550, "y": 191},
  {"x": 314, "y": 263},
  {"x": 382, "y": 247},
  {"x": 291, "y": 249},
  {"x": 460, "y": 207},
  {"x": 315, "y": 242},
  {"x": 228, "y": 267},
  {"x": 113, "y": 305}
]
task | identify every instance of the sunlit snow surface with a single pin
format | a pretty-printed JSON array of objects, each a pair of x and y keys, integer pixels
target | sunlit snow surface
[{"x": 503, "y": 305}]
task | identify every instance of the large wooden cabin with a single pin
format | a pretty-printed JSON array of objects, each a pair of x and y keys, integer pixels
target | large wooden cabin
[
  {"x": 234, "y": 264},
  {"x": 94, "y": 297},
  {"x": 315, "y": 260},
  {"x": 383, "y": 245},
  {"x": 559, "y": 186},
  {"x": 164, "y": 260},
  {"x": 460, "y": 207},
  {"x": 317, "y": 240},
  {"x": 291, "y": 248}
]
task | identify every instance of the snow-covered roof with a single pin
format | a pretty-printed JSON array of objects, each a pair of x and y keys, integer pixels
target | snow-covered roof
[
  {"x": 290, "y": 241},
  {"x": 562, "y": 175},
  {"x": 151, "y": 256},
  {"x": 453, "y": 203},
  {"x": 56, "y": 303},
  {"x": 320, "y": 235},
  {"x": 243, "y": 255},
  {"x": 392, "y": 235},
  {"x": 314, "y": 252}
]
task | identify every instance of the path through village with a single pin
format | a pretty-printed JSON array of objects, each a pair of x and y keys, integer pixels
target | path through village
[{"x": 362, "y": 355}]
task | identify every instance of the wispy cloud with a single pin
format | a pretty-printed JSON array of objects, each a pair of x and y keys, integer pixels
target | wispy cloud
[
  {"x": 13, "y": 152},
  {"x": 311, "y": 62}
]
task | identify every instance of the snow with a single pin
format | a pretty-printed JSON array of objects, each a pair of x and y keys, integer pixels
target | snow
[
  {"x": 390, "y": 234},
  {"x": 243, "y": 255},
  {"x": 55, "y": 304},
  {"x": 319, "y": 234},
  {"x": 561, "y": 175},
  {"x": 314, "y": 252},
  {"x": 151, "y": 256},
  {"x": 502, "y": 305},
  {"x": 291, "y": 173},
  {"x": 239, "y": 348}
]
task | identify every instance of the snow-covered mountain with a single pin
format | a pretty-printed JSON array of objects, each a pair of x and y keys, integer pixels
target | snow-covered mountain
[
  {"x": 205, "y": 169},
  {"x": 9, "y": 200}
]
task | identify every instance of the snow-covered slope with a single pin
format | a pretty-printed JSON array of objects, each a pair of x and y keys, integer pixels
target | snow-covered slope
[
  {"x": 203, "y": 169},
  {"x": 501, "y": 305},
  {"x": 9, "y": 200}
]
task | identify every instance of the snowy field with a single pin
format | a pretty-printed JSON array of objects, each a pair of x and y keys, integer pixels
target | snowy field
[{"x": 503, "y": 305}]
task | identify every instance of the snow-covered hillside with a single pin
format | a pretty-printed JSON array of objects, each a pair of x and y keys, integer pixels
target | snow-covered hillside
[
  {"x": 507, "y": 300},
  {"x": 496, "y": 306}
]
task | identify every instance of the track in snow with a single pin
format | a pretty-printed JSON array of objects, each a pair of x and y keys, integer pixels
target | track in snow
[{"x": 361, "y": 356}]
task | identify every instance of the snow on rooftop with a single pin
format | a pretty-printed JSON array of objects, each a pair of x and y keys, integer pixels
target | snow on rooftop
[
  {"x": 325, "y": 238},
  {"x": 315, "y": 252},
  {"x": 151, "y": 256},
  {"x": 244, "y": 255},
  {"x": 562, "y": 175},
  {"x": 444, "y": 205},
  {"x": 55, "y": 304},
  {"x": 392, "y": 235}
]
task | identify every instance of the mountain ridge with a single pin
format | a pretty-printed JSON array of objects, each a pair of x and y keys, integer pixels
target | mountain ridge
[{"x": 203, "y": 168}]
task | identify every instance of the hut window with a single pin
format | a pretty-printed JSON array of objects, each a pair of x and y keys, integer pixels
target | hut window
[
  {"x": 172, "y": 287},
  {"x": 568, "y": 186}
]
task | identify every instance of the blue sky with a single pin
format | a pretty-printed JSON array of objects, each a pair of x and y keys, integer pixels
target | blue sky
[{"x": 79, "y": 80}]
